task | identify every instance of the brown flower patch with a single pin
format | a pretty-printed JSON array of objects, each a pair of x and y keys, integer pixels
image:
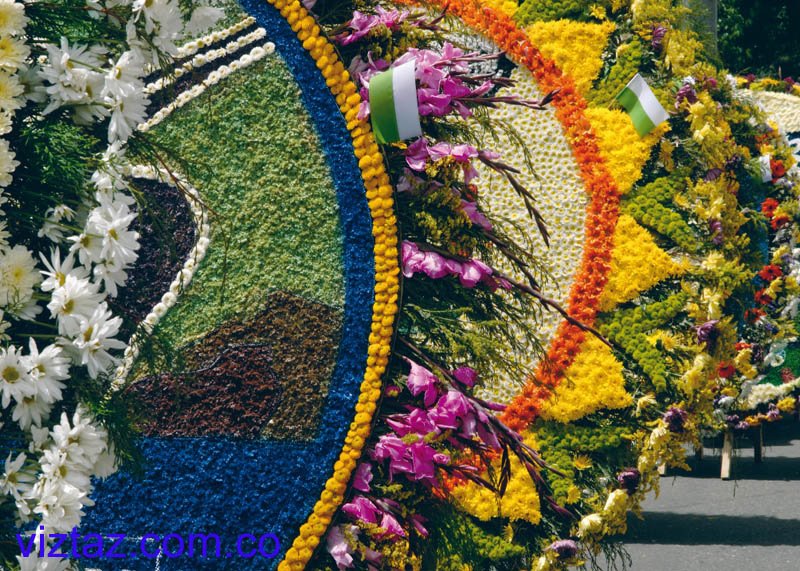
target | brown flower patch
[{"x": 265, "y": 376}]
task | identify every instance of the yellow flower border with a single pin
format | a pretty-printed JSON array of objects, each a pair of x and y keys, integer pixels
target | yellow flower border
[{"x": 387, "y": 270}]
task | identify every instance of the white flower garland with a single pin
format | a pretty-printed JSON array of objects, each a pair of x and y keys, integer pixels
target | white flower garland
[
  {"x": 183, "y": 277},
  {"x": 256, "y": 54},
  {"x": 191, "y": 48},
  {"x": 205, "y": 58}
]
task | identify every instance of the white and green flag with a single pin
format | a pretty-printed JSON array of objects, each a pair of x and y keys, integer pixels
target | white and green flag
[
  {"x": 641, "y": 104},
  {"x": 393, "y": 104}
]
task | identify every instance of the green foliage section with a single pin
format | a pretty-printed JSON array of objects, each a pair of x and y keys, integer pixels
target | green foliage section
[
  {"x": 628, "y": 61},
  {"x": 458, "y": 542},
  {"x": 560, "y": 443},
  {"x": 760, "y": 36},
  {"x": 651, "y": 206},
  {"x": 545, "y": 10},
  {"x": 251, "y": 151},
  {"x": 629, "y": 327}
]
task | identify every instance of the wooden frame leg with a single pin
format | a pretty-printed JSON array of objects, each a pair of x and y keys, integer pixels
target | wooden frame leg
[
  {"x": 758, "y": 444},
  {"x": 727, "y": 455}
]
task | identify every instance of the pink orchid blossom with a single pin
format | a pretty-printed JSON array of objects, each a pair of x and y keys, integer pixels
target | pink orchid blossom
[
  {"x": 339, "y": 548},
  {"x": 421, "y": 380},
  {"x": 467, "y": 376},
  {"x": 392, "y": 527},
  {"x": 362, "y": 509},
  {"x": 363, "y": 477},
  {"x": 475, "y": 216}
]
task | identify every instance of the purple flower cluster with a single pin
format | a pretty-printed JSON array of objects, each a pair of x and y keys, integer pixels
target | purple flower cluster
[
  {"x": 676, "y": 419},
  {"x": 470, "y": 273},
  {"x": 629, "y": 480},
  {"x": 686, "y": 93},
  {"x": 362, "y": 24},
  {"x": 564, "y": 548},
  {"x": 441, "y": 77}
]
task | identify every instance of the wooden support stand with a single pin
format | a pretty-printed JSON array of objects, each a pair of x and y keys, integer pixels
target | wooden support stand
[
  {"x": 698, "y": 452},
  {"x": 727, "y": 455},
  {"x": 758, "y": 444}
]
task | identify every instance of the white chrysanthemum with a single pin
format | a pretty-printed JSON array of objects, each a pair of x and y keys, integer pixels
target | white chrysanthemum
[
  {"x": 13, "y": 52},
  {"x": 57, "y": 270},
  {"x": 59, "y": 504},
  {"x": 72, "y": 302},
  {"x": 11, "y": 91},
  {"x": 81, "y": 441},
  {"x": 123, "y": 77},
  {"x": 47, "y": 368},
  {"x": 127, "y": 111},
  {"x": 70, "y": 72},
  {"x": 7, "y": 163},
  {"x": 96, "y": 338},
  {"x": 15, "y": 382},
  {"x": 56, "y": 465},
  {"x": 88, "y": 246},
  {"x": 15, "y": 481},
  {"x": 34, "y": 563},
  {"x": 31, "y": 411},
  {"x": 112, "y": 275},
  {"x": 111, "y": 220},
  {"x": 53, "y": 227},
  {"x": 12, "y": 18},
  {"x": 18, "y": 276}
]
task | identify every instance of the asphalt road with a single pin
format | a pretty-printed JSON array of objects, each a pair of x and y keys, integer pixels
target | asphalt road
[{"x": 701, "y": 523}]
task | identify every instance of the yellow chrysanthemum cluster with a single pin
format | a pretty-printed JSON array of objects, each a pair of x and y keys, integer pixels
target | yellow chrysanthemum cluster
[
  {"x": 581, "y": 58},
  {"x": 625, "y": 151},
  {"x": 593, "y": 382},
  {"x": 519, "y": 503},
  {"x": 384, "y": 230},
  {"x": 634, "y": 251}
]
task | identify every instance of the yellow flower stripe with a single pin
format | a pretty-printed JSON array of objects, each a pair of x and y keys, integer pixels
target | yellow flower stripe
[
  {"x": 625, "y": 151},
  {"x": 582, "y": 57},
  {"x": 593, "y": 382},
  {"x": 519, "y": 503},
  {"x": 384, "y": 230},
  {"x": 637, "y": 264}
]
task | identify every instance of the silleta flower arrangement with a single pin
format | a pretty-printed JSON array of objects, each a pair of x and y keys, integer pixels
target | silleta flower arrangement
[{"x": 470, "y": 349}]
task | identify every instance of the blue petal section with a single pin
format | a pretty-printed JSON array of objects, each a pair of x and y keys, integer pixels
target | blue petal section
[{"x": 231, "y": 487}]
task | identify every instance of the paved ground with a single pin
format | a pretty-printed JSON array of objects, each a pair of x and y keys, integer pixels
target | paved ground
[{"x": 701, "y": 523}]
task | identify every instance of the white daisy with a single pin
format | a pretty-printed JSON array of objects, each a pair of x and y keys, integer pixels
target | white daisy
[
  {"x": 58, "y": 270},
  {"x": 15, "y": 382},
  {"x": 7, "y": 163},
  {"x": 96, "y": 338},
  {"x": 127, "y": 111},
  {"x": 81, "y": 441},
  {"x": 47, "y": 368},
  {"x": 31, "y": 411},
  {"x": 59, "y": 504},
  {"x": 111, "y": 220},
  {"x": 72, "y": 302},
  {"x": 16, "y": 480},
  {"x": 53, "y": 227}
]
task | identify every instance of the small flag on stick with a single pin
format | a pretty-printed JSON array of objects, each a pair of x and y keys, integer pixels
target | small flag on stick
[
  {"x": 641, "y": 104},
  {"x": 393, "y": 104}
]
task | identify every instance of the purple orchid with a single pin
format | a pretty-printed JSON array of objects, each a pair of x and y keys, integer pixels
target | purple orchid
[
  {"x": 658, "y": 37},
  {"x": 362, "y": 24},
  {"x": 707, "y": 332},
  {"x": 362, "y": 509},
  {"x": 339, "y": 548},
  {"x": 363, "y": 477},
  {"x": 475, "y": 216},
  {"x": 421, "y": 380},
  {"x": 467, "y": 376}
]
